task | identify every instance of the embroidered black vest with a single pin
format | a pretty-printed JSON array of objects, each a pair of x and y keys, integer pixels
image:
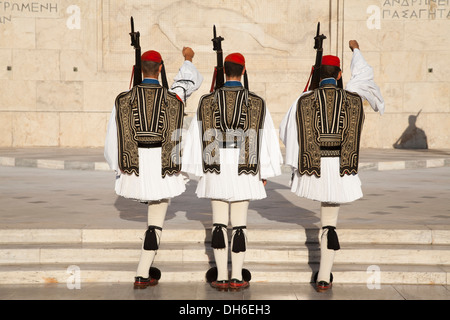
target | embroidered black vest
[
  {"x": 231, "y": 117},
  {"x": 329, "y": 122},
  {"x": 149, "y": 116}
]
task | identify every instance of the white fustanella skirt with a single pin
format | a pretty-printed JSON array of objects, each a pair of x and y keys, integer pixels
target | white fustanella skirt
[
  {"x": 229, "y": 185},
  {"x": 330, "y": 187},
  {"x": 150, "y": 185}
]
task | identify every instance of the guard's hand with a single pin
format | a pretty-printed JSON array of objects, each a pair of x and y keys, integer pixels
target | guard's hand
[
  {"x": 264, "y": 181},
  {"x": 188, "y": 53},
  {"x": 353, "y": 44}
]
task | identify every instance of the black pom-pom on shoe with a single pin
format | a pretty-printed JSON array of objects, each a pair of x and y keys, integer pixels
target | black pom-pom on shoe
[
  {"x": 155, "y": 273},
  {"x": 211, "y": 275}
]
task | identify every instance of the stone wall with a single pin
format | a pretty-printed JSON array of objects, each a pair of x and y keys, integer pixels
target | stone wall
[{"x": 62, "y": 63}]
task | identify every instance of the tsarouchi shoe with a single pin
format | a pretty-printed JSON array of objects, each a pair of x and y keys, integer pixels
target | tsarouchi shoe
[
  {"x": 142, "y": 283},
  {"x": 323, "y": 286},
  {"x": 221, "y": 285},
  {"x": 236, "y": 285}
]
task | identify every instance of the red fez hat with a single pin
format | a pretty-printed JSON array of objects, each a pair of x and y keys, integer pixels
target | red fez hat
[
  {"x": 331, "y": 61},
  {"x": 236, "y": 58},
  {"x": 151, "y": 56}
]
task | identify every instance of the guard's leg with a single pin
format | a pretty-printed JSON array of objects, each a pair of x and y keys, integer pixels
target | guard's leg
[
  {"x": 328, "y": 243},
  {"x": 219, "y": 242},
  {"x": 155, "y": 220},
  {"x": 238, "y": 217}
]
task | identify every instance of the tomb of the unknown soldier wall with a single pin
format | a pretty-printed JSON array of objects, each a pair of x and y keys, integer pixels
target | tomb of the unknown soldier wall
[{"x": 62, "y": 63}]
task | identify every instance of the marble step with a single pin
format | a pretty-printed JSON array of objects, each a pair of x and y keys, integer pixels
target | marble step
[
  {"x": 255, "y": 234},
  {"x": 46, "y": 253},
  {"x": 289, "y": 272}
]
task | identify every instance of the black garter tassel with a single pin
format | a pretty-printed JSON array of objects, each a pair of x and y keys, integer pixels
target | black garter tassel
[
  {"x": 151, "y": 241},
  {"x": 239, "y": 240},
  {"x": 217, "y": 238},
  {"x": 332, "y": 238}
]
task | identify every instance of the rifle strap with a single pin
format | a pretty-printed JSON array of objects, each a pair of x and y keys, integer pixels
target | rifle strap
[
  {"x": 309, "y": 79},
  {"x": 132, "y": 76},
  {"x": 213, "y": 84},
  {"x": 174, "y": 86}
]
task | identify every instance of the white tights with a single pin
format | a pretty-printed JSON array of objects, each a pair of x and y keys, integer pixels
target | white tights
[
  {"x": 238, "y": 215},
  {"x": 155, "y": 217},
  {"x": 328, "y": 217},
  {"x": 237, "y": 211}
]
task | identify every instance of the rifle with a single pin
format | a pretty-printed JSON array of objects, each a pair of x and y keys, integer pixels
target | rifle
[
  {"x": 218, "y": 77},
  {"x": 137, "y": 69},
  {"x": 315, "y": 73}
]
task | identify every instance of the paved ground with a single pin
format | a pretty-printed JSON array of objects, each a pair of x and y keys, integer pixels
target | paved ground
[
  {"x": 202, "y": 291},
  {"x": 402, "y": 189},
  {"x": 74, "y": 198}
]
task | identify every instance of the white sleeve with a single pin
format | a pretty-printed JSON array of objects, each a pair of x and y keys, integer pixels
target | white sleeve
[
  {"x": 186, "y": 81},
  {"x": 110, "y": 151},
  {"x": 192, "y": 161},
  {"x": 270, "y": 156},
  {"x": 289, "y": 135},
  {"x": 362, "y": 82}
]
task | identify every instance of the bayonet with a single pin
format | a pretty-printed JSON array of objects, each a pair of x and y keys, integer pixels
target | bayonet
[
  {"x": 318, "y": 45},
  {"x": 218, "y": 76},
  {"x": 135, "y": 43}
]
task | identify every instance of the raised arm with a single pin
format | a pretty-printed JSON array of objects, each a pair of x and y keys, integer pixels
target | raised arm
[
  {"x": 362, "y": 79},
  {"x": 188, "y": 78}
]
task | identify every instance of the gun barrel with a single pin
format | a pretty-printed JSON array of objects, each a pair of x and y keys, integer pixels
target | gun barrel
[
  {"x": 137, "y": 69},
  {"x": 216, "y": 40},
  {"x": 318, "y": 45},
  {"x": 218, "y": 77}
]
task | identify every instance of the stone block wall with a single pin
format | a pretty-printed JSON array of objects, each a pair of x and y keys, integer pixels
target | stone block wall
[{"x": 62, "y": 63}]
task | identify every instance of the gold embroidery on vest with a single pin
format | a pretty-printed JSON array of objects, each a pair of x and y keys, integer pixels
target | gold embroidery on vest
[
  {"x": 149, "y": 115},
  {"x": 232, "y": 117},
  {"x": 329, "y": 122}
]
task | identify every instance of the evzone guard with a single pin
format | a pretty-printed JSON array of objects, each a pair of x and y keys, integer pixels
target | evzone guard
[
  {"x": 143, "y": 147},
  {"x": 322, "y": 132},
  {"x": 233, "y": 147}
]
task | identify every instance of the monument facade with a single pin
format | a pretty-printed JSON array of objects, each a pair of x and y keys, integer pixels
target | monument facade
[{"x": 62, "y": 63}]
